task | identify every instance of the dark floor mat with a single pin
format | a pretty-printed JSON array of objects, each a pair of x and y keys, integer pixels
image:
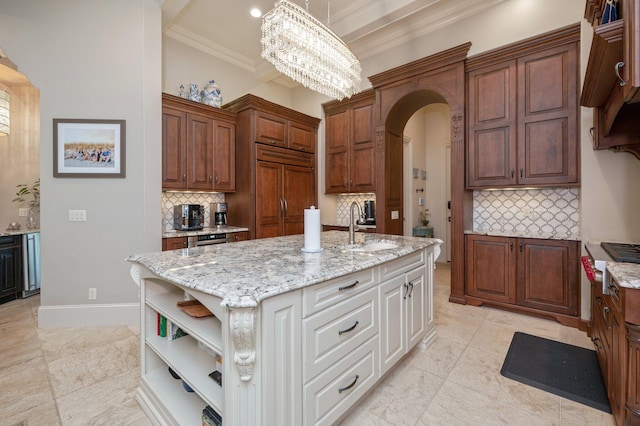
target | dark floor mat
[{"x": 569, "y": 371}]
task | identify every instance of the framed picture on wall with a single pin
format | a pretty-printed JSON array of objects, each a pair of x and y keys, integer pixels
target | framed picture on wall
[{"x": 88, "y": 148}]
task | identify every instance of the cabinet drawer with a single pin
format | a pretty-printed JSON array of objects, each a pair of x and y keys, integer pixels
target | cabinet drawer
[
  {"x": 336, "y": 331},
  {"x": 284, "y": 156},
  {"x": 330, "y": 395},
  {"x": 270, "y": 129},
  {"x": 334, "y": 291},
  {"x": 402, "y": 265}
]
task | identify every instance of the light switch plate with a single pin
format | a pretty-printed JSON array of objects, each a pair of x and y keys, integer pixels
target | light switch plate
[
  {"x": 22, "y": 212},
  {"x": 77, "y": 215},
  {"x": 395, "y": 214}
]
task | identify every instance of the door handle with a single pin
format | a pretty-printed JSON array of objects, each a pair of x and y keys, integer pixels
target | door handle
[
  {"x": 286, "y": 208},
  {"x": 281, "y": 206}
]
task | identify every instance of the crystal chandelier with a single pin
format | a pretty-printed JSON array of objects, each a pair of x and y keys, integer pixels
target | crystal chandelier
[{"x": 304, "y": 49}]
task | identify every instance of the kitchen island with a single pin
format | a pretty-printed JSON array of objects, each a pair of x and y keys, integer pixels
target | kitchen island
[{"x": 301, "y": 336}]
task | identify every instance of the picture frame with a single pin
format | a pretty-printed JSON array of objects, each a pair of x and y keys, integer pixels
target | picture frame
[{"x": 89, "y": 148}]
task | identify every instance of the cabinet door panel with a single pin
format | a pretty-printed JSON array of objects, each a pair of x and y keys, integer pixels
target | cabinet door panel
[
  {"x": 269, "y": 200},
  {"x": 200, "y": 151},
  {"x": 548, "y": 275},
  {"x": 336, "y": 180},
  {"x": 545, "y": 140},
  {"x": 174, "y": 149},
  {"x": 547, "y": 116},
  {"x": 491, "y": 272},
  {"x": 392, "y": 322},
  {"x": 271, "y": 130},
  {"x": 490, "y": 152},
  {"x": 301, "y": 137},
  {"x": 9, "y": 271},
  {"x": 299, "y": 190},
  {"x": 363, "y": 169},
  {"x": 224, "y": 157},
  {"x": 491, "y": 147},
  {"x": 417, "y": 308},
  {"x": 337, "y": 142}
]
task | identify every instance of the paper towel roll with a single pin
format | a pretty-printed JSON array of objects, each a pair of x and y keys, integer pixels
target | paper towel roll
[{"x": 312, "y": 230}]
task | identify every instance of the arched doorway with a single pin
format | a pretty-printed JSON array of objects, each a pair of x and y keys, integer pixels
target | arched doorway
[{"x": 400, "y": 92}]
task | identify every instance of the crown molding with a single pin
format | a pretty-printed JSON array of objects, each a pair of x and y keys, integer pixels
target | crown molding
[{"x": 189, "y": 38}]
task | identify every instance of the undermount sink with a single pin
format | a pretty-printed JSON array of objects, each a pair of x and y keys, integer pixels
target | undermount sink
[{"x": 373, "y": 246}]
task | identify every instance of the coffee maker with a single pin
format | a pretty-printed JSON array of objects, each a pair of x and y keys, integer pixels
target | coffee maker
[
  {"x": 369, "y": 212},
  {"x": 188, "y": 217},
  {"x": 219, "y": 212}
]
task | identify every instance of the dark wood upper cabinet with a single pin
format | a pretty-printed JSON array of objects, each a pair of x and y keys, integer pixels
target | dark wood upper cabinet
[
  {"x": 198, "y": 146},
  {"x": 523, "y": 113},
  {"x": 276, "y": 168},
  {"x": 349, "y": 145},
  {"x": 612, "y": 78}
]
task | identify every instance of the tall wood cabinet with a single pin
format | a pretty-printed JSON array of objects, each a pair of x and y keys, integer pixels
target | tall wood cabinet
[
  {"x": 531, "y": 275},
  {"x": 523, "y": 113},
  {"x": 276, "y": 164},
  {"x": 198, "y": 146},
  {"x": 615, "y": 332},
  {"x": 349, "y": 145},
  {"x": 612, "y": 79}
]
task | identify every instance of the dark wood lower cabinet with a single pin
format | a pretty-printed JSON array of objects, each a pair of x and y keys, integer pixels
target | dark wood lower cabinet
[
  {"x": 10, "y": 267},
  {"x": 528, "y": 275},
  {"x": 616, "y": 336}
]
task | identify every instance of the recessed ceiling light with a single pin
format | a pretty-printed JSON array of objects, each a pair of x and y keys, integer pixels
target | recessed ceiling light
[{"x": 255, "y": 12}]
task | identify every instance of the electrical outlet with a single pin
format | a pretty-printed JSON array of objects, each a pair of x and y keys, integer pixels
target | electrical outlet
[
  {"x": 23, "y": 212},
  {"x": 93, "y": 293},
  {"x": 526, "y": 211},
  {"x": 77, "y": 215}
]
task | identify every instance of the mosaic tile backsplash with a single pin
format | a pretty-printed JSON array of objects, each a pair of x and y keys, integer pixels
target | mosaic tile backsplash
[
  {"x": 552, "y": 210},
  {"x": 344, "y": 203},
  {"x": 170, "y": 199}
]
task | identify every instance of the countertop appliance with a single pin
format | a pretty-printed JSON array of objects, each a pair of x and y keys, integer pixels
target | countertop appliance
[
  {"x": 207, "y": 240},
  {"x": 595, "y": 264},
  {"x": 188, "y": 217},
  {"x": 219, "y": 214},
  {"x": 369, "y": 212},
  {"x": 31, "y": 264}
]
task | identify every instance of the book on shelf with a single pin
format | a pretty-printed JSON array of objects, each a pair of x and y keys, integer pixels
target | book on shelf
[
  {"x": 210, "y": 417},
  {"x": 163, "y": 326},
  {"x": 174, "y": 331}
]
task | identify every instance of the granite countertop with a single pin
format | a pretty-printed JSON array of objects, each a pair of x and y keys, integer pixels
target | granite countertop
[
  {"x": 525, "y": 234},
  {"x": 244, "y": 273},
  {"x": 203, "y": 231},
  {"x": 625, "y": 274},
  {"x": 19, "y": 232}
]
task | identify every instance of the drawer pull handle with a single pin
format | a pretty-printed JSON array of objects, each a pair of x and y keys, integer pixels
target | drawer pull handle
[
  {"x": 349, "y": 386},
  {"x": 341, "y": 332},
  {"x": 347, "y": 287}
]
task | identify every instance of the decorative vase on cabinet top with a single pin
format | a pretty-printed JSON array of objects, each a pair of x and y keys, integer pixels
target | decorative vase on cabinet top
[
  {"x": 211, "y": 95},
  {"x": 193, "y": 92}
]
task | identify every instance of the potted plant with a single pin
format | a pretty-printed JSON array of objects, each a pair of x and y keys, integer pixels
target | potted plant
[
  {"x": 424, "y": 217},
  {"x": 30, "y": 194}
]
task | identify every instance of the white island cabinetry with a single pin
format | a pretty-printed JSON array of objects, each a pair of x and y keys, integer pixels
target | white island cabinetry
[{"x": 301, "y": 352}]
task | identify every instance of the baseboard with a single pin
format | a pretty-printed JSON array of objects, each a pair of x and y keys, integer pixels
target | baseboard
[{"x": 60, "y": 316}]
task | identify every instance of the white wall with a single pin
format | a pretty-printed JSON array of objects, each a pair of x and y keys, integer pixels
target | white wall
[{"x": 98, "y": 59}]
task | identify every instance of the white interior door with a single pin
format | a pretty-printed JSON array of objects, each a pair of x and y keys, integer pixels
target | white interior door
[{"x": 408, "y": 219}]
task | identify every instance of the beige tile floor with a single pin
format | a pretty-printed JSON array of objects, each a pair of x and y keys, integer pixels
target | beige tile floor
[{"x": 87, "y": 376}]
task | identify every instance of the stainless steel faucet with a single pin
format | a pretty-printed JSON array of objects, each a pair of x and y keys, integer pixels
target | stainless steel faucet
[{"x": 352, "y": 225}]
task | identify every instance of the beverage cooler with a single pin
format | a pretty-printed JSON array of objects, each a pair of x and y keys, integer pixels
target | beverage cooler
[{"x": 30, "y": 264}]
